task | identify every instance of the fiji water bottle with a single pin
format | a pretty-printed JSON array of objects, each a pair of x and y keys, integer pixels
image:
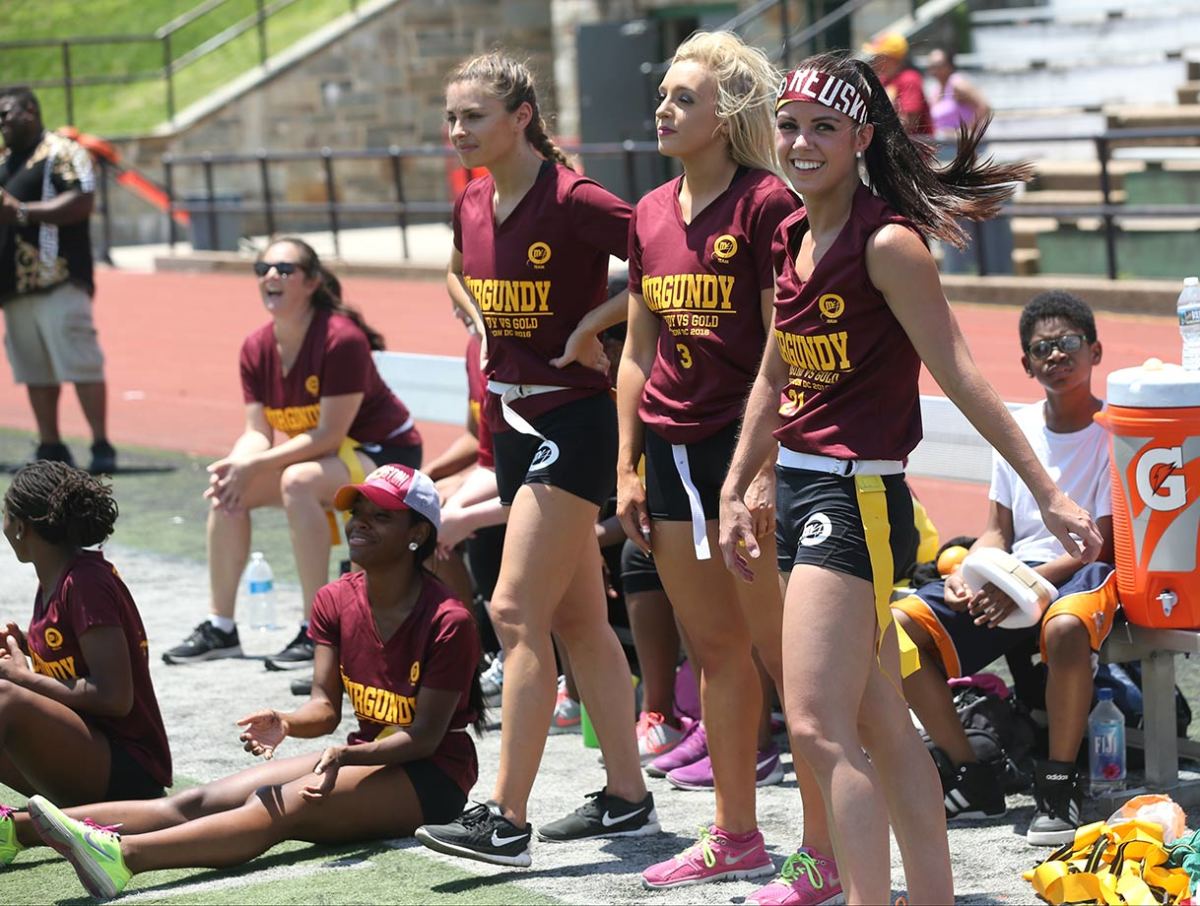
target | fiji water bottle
[
  {"x": 260, "y": 587},
  {"x": 1188, "y": 308},
  {"x": 1106, "y": 745}
]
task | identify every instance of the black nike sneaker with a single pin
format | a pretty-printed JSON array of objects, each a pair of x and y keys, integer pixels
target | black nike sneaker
[
  {"x": 603, "y": 815},
  {"x": 481, "y": 833}
]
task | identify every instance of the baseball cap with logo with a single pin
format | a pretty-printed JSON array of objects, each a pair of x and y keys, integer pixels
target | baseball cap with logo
[
  {"x": 891, "y": 44},
  {"x": 395, "y": 487}
]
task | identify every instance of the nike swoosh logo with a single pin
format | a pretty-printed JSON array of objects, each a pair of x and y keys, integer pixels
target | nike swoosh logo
[
  {"x": 608, "y": 821},
  {"x": 734, "y": 860},
  {"x": 100, "y": 851},
  {"x": 497, "y": 840}
]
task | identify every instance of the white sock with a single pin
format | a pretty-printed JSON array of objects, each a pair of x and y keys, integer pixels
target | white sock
[{"x": 225, "y": 624}]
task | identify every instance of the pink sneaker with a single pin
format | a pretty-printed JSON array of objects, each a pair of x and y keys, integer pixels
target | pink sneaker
[
  {"x": 806, "y": 879},
  {"x": 699, "y": 775},
  {"x": 691, "y": 748},
  {"x": 655, "y": 736},
  {"x": 716, "y": 856}
]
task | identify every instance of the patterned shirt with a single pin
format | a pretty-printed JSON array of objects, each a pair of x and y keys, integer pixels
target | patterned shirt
[{"x": 39, "y": 256}]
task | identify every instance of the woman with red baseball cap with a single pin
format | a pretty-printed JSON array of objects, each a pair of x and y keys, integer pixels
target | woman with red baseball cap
[
  {"x": 859, "y": 306},
  {"x": 392, "y": 639}
]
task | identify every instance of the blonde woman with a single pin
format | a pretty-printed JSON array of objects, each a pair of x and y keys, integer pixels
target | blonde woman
[{"x": 701, "y": 296}]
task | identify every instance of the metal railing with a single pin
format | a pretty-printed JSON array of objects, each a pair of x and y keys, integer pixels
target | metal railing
[
  {"x": 172, "y": 62},
  {"x": 334, "y": 212}
]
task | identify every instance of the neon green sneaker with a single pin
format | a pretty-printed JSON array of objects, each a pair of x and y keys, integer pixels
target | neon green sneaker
[
  {"x": 93, "y": 849},
  {"x": 9, "y": 847}
]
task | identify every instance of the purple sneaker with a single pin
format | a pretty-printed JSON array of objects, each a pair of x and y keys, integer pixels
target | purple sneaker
[
  {"x": 806, "y": 879},
  {"x": 699, "y": 775},
  {"x": 690, "y": 749}
]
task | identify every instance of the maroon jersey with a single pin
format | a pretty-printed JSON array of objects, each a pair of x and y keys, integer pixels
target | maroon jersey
[
  {"x": 704, "y": 281},
  {"x": 852, "y": 388},
  {"x": 477, "y": 396},
  {"x": 436, "y": 646},
  {"x": 537, "y": 274},
  {"x": 91, "y": 594},
  {"x": 334, "y": 359}
]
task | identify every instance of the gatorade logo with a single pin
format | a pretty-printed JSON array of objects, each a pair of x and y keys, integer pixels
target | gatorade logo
[{"x": 1159, "y": 483}]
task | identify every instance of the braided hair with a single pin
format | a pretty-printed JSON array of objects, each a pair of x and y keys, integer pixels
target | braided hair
[
  {"x": 512, "y": 83},
  {"x": 903, "y": 173},
  {"x": 328, "y": 294},
  {"x": 64, "y": 505}
]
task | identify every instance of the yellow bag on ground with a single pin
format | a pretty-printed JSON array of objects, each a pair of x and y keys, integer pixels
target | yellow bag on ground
[{"x": 1116, "y": 866}]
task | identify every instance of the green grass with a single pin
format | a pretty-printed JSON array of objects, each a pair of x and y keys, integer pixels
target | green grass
[
  {"x": 139, "y": 106},
  {"x": 162, "y": 509}
]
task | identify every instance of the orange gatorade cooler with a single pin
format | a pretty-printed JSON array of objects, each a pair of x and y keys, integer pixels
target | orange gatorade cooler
[{"x": 1153, "y": 417}]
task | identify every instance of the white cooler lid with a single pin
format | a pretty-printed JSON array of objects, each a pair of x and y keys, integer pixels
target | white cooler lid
[{"x": 1154, "y": 385}]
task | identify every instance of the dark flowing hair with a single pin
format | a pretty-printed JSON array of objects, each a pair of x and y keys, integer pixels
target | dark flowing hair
[
  {"x": 512, "y": 83},
  {"x": 328, "y": 294},
  {"x": 63, "y": 504},
  {"x": 421, "y": 556},
  {"x": 903, "y": 173}
]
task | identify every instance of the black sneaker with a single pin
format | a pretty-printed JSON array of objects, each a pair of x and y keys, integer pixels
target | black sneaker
[
  {"x": 974, "y": 793},
  {"x": 104, "y": 458},
  {"x": 298, "y": 655},
  {"x": 59, "y": 452},
  {"x": 603, "y": 815},
  {"x": 206, "y": 643},
  {"x": 481, "y": 833},
  {"x": 1059, "y": 801}
]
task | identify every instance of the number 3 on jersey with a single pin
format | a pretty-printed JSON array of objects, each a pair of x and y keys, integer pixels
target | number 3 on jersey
[
  {"x": 685, "y": 355},
  {"x": 795, "y": 399}
]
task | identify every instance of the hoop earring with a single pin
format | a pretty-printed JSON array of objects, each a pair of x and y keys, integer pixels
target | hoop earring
[{"x": 412, "y": 545}]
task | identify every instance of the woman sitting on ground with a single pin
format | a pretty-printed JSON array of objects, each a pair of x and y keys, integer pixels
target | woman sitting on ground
[
  {"x": 403, "y": 649},
  {"x": 81, "y": 721}
]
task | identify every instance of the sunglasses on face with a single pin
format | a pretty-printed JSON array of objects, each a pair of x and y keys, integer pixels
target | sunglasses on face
[
  {"x": 1068, "y": 344},
  {"x": 283, "y": 268}
]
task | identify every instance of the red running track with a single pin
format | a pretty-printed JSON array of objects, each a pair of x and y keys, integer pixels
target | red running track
[{"x": 172, "y": 344}]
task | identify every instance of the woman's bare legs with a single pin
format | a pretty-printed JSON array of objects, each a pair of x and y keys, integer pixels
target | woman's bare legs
[{"x": 551, "y": 559}]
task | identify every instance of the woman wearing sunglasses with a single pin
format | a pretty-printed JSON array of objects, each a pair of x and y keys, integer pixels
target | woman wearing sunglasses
[{"x": 307, "y": 374}]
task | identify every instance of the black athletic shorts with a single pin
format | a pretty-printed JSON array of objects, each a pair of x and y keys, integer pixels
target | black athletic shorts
[
  {"x": 387, "y": 454},
  {"x": 127, "y": 779},
  {"x": 708, "y": 462},
  {"x": 441, "y": 798},
  {"x": 818, "y": 523},
  {"x": 579, "y": 453},
  {"x": 638, "y": 572}
]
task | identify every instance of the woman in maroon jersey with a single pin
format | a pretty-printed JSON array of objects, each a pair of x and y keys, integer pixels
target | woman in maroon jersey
[
  {"x": 859, "y": 306},
  {"x": 404, "y": 651},
  {"x": 701, "y": 294},
  {"x": 308, "y": 374},
  {"x": 532, "y": 241},
  {"x": 79, "y": 721}
]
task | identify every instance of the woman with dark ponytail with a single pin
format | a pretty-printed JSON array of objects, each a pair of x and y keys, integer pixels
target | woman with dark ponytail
[
  {"x": 391, "y": 639},
  {"x": 532, "y": 241},
  {"x": 308, "y": 374},
  {"x": 859, "y": 306},
  {"x": 78, "y": 719}
]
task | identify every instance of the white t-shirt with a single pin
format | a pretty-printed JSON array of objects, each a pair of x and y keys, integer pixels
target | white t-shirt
[{"x": 1077, "y": 463}]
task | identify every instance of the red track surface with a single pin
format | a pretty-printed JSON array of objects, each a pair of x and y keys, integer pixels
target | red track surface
[{"x": 172, "y": 343}]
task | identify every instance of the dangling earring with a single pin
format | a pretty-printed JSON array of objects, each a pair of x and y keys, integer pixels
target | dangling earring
[
  {"x": 412, "y": 545},
  {"x": 858, "y": 154}
]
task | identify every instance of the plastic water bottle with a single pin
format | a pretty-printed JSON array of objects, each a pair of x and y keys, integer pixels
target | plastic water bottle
[
  {"x": 1106, "y": 745},
  {"x": 260, "y": 587},
  {"x": 1188, "y": 308}
]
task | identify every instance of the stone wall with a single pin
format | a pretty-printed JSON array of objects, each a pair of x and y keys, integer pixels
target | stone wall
[{"x": 380, "y": 84}]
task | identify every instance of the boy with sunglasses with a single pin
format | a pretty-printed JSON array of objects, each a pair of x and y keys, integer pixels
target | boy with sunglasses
[{"x": 958, "y": 629}]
